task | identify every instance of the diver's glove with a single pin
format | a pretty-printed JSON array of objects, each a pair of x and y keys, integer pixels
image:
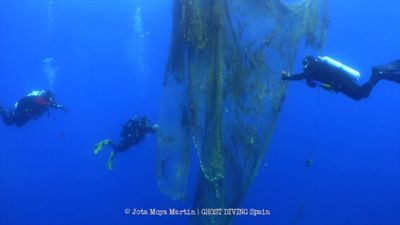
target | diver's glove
[
  {"x": 285, "y": 75},
  {"x": 155, "y": 127},
  {"x": 60, "y": 107},
  {"x": 312, "y": 84}
]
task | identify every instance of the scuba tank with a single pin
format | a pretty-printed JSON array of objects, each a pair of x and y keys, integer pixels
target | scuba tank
[
  {"x": 37, "y": 93},
  {"x": 349, "y": 71}
]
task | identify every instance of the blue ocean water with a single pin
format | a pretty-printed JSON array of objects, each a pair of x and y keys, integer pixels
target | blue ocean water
[{"x": 107, "y": 61}]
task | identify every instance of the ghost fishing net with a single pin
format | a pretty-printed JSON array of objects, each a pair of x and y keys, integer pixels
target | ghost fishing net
[{"x": 223, "y": 92}]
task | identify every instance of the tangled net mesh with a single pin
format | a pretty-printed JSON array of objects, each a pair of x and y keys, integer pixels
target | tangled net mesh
[{"x": 223, "y": 92}]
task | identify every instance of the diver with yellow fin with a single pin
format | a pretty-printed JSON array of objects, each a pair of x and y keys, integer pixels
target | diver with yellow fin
[
  {"x": 133, "y": 132},
  {"x": 334, "y": 76}
]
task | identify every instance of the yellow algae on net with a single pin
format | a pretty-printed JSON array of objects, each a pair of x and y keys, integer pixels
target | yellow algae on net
[{"x": 223, "y": 92}]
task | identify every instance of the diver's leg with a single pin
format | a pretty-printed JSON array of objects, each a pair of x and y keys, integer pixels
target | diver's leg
[
  {"x": 3, "y": 114},
  {"x": 355, "y": 91},
  {"x": 359, "y": 92},
  {"x": 365, "y": 90},
  {"x": 20, "y": 123},
  {"x": 117, "y": 148},
  {"x": 19, "y": 120},
  {"x": 6, "y": 117}
]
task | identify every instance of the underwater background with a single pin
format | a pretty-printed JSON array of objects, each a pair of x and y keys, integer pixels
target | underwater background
[{"x": 331, "y": 160}]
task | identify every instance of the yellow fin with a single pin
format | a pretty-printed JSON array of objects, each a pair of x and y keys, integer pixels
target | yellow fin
[
  {"x": 99, "y": 146},
  {"x": 110, "y": 161}
]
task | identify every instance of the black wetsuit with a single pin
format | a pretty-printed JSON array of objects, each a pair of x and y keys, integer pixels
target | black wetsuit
[
  {"x": 133, "y": 132},
  {"x": 29, "y": 107},
  {"x": 335, "y": 79}
]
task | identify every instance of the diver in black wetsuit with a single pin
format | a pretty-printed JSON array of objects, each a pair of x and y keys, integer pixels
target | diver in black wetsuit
[
  {"x": 30, "y": 107},
  {"x": 133, "y": 132},
  {"x": 339, "y": 78}
]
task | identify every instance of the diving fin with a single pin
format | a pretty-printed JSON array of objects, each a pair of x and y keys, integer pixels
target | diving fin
[
  {"x": 393, "y": 67},
  {"x": 110, "y": 160},
  {"x": 390, "y": 71},
  {"x": 99, "y": 146},
  {"x": 2, "y": 110}
]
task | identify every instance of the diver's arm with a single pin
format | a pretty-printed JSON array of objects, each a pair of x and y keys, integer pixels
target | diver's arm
[
  {"x": 154, "y": 128},
  {"x": 289, "y": 76},
  {"x": 311, "y": 83},
  {"x": 59, "y": 107}
]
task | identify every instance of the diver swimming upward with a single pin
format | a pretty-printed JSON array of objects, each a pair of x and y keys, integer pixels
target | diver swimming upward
[
  {"x": 30, "y": 107},
  {"x": 133, "y": 132},
  {"x": 334, "y": 76}
]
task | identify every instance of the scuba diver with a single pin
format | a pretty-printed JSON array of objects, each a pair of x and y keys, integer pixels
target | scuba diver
[
  {"x": 334, "y": 76},
  {"x": 133, "y": 132},
  {"x": 30, "y": 107}
]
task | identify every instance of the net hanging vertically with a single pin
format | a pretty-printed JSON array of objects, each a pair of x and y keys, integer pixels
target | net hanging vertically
[{"x": 223, "y": 92}]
